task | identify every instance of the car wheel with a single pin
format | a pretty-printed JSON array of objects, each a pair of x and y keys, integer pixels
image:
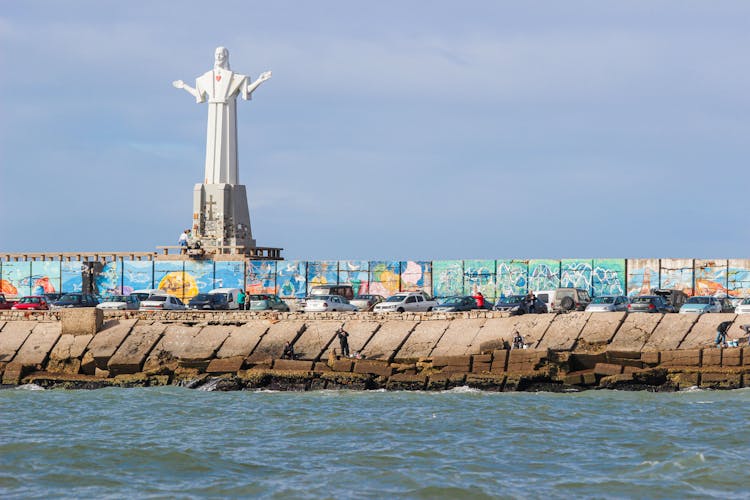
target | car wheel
[
  {"x": 567, "y": 304},
  {"x": 429, "y": 309},
  {"x": 400, "y": 309}
]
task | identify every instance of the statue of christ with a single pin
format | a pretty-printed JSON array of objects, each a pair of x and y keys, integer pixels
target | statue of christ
[{"x": 221, "y": 86}]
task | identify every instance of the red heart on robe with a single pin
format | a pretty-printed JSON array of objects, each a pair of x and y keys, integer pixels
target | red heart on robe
[{"x": 218, "y": 78}]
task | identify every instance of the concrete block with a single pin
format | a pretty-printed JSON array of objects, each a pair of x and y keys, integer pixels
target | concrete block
[
  {"x": 206, "y": 343},
  {"x": 651, "y": 358},
  {"x": 321, "y": 366},
  {"x": 481, "y": 367},
  {"x": 381, "y": 368},
  {"x": 496, "y": 330},
  {"x": 525, "y": 360},
  {"x": 589, "y": 378},
  {"x": 360, "y": 333},
  {"x": 38, "y": 345},
  {"x": 684, "y": 380},
  {"x": 132, "y": 354},
  {"x": 441, "y": 361},
  {"x": 68, "y": 350},
  {"x": 81, "y": 321},
  {"x": 342, "y": 365},
  {"x": 404, "y": 382},
  {"x": 481, "y": 358},
  {"x": 105, "y": 343},
  {"x": 458, "y": 338},
  {"x": 746, "y": 356},
  {"x": 606, "y": 369},
  {"x": 703, "y": 332},
  {"x": 564, "y": 331},
  {"x": 14, "y": 372},
  {"x": 721, "y": 380},
  {"x": 635, "y": 331},
  {"x": 272, "y": 343},
  {"x": 573, "y": 379},
  {"x": 226, "y": 365},
  {"x": 486, "y": 382},
  {"x": 292, "y": 364},
  {"x": 730, "y": 357},
  {"x": 600, "y": 329},
  {"x": 580, "y": 361},
  {"x": 423, "y": 339},
  {"x": 711, "y": 357},
  {"x": 13, "y": 336},
  {"x": 670, "y": 332},
  {"x": 388, "y": 339},
  {"x": 688, "y": 357},
  {"x": 499, "y": 361},
  {"x": 316, "y": 338},
  {"x": 243, "y": 339}
]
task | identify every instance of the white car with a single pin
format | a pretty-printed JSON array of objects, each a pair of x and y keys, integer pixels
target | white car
[
  {"x": 326, "y": 303},
  {"x": 120, "y": 303},
  {"x": 701, "y": 305},
  {"x": 162, "y": 302},
  {"x": 743, "y": 307},
  {"x": 406, "y": 301}
]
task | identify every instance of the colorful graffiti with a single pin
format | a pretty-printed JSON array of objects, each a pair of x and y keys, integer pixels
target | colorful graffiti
[
  {"x": 710, "y": 277},
  {"x": 261, "y": 277},
  {"x": 447, "y": 278},
  {"x": 544, "y": 274},
  {"x": 512, "y": 277},
  {"x": 480, "y": 276},
  {"x": 385, "y": 277},
  {"x": 738, "y": 277},
  {"x": 608, "y": 277},
  {"x": 642, "y": 276},
  {"x": 676, "y": 274}
]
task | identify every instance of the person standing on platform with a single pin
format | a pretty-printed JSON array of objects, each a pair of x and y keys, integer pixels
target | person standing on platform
[
  {"x": 183, "y": 241},
  {"x": 241, "y": 300},
  {"x": 480, "y": 299},
  {"x": 343, "y": 336}
]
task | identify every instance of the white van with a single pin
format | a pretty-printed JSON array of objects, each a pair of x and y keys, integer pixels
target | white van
[
  {"x": 231, "y": 295},
  {"x": 548, "y": 297}
]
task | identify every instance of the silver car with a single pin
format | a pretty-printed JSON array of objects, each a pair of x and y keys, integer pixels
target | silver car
[
  {"x": 366, "y": 302},
  {"x": 608, "y": 303},
  {"x": 326, "y": 303},
  {"x": 120, "y": 302},
  {"x": 162, "y": 302}
]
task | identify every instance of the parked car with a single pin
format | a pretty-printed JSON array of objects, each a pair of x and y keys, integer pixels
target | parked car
[
  {"x": 406, "y": 301},
  {"x": 649, "y": 304},
  {"x": 743, "y": 307},
  {"x": 608, "y": 303},
  {"x": 570, "y": 299},
  {"x": 266, "y": 302},
  {"x": 327, "y": 303},
  {"x": 75, "y": 300},
  {"x": 367, "y": 301},
  {"x": 31, "y": 303},
  {"x": 675, "y": 298},
  {"x": 518, "y": 304},
  {"x": 210, "y": 301},
  {"x": 147, "y": 292},
  {"x": 455, "y": 304},
  {"x": 5, "y": 303},
  {"x": 231, "y": 295},
  {"x": 547, "y": 297},
  {"x": 345, "y": 291},
  {"x": 162, "y": 302},
  {"x": 120, "y": 302},
  {"x": 701, "y": 305},
  {"x": 52, "y": 297}
]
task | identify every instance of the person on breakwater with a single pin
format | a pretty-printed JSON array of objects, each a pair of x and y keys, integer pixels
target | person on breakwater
[
  {"x": 721, "y": 334},
  {"x": 183, "y": 241},
  {"x": 288, "y": 351},
  {"x": 480, "y": 299},
  {"x": 531, "y": 302},
  {"x": 517, "y": 340},
  {"x": 241, "y": 300},
  {"x": 343, "y": 336}
]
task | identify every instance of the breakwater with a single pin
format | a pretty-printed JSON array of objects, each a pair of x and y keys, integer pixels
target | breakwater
[{"x": 417, "y": 351}]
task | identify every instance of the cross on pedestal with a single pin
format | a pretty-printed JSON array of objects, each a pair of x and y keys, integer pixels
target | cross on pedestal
[{"x": 210, "y": 203}]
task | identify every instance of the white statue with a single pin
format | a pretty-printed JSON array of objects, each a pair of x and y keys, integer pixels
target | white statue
[{"x": 221, "y": 87}]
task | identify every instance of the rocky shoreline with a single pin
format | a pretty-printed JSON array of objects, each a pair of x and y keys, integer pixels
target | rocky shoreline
[{"x": 567, "y": 353}]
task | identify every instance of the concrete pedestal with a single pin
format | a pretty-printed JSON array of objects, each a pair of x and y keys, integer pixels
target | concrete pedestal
[{"x": 221, "y": 216}]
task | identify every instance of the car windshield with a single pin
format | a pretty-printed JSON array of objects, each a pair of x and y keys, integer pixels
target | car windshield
[
  {"x": 141, "y": 295},
  {"x": 217, "y": 297},
  {"x": 157, "y": 298},
  {"x": 29, "y": 300},
  {"x": 451, "y": 301},
  {"x": 745, "y": 302},
  {"x": 116, "y": 298},
  {"x": 320, "y": 291},
  {"x": 71, "y": 299},
  {"x": 699, "y": 300},
  {"x": 603, "y": 300},
  {"x": 202, "y": 296},
  {"x": 396, "y": 298},
  {"x": 642, "y": 300},
  {"x": 511, "y": 299}
]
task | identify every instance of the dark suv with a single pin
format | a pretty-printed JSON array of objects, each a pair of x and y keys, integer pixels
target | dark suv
[
  {"x": 212, "y": 301},
  {"x": 650, "y": 304},
  {"x": 571, "y": 299},
  {"x": 75, "y": 300}
]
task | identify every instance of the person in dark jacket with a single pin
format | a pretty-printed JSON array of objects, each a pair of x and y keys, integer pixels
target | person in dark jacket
[
  {"x": 288, "y": 351},
  {"x": 721, "y": 333},
  {"x": 343, "y": 336}
]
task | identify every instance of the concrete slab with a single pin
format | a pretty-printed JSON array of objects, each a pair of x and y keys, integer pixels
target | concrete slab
[
  {"x": 177, "y": 342},
  {"x": 243, "y": 339},
  {"x": 13, "y": 336},
  {"x": 360, "y": 333},
  {"x": 316, "y": 338},
  {"x": 67, "y": 354},
  {"x": 132, "y": 354},
  {"x": 531, "y": 326},
  {"x": 388, "y": 339},
  {"x": 105, "y": 343},
  {"x": 564, "y": 331},
  {"x": 81, "y": 321},
  {"x": 735, "y": 332},
  {"x": 703, "y": 332},
  {"x": 670, "y": 332},
  {"x": 35, "y": 351},
  {"x": 635, "y": 331},
  {"x": 2, "y": 324},
  {"x": 600, "y": 329},
  {"x": 422, "y": 340},
  {"x": 272, "y": 343},
  {"x": 458, "y": 337},
  {"x": 207, "y": 343}
]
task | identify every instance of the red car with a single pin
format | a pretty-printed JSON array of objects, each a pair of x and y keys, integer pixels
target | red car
[
  {"x": 5, "y": 303},
  {"x": 32, "y": 302}
]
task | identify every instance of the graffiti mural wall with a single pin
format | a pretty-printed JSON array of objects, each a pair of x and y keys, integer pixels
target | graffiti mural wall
[
  {"x": 642, "y": 276},
  {"x": 261, "y": 277},
  {"x": 544, "y": 274}
]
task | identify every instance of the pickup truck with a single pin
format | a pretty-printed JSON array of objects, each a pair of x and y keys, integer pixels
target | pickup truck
[
  {"x": 4, "y": 304},
  {"x": 406, "y": 301}
]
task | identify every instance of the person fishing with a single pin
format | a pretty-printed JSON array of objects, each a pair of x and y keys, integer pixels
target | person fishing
[
  {"x": 343, "y": 336},
  {"x": 721, "y": 334},
  {"x": 517, "y": 340}
]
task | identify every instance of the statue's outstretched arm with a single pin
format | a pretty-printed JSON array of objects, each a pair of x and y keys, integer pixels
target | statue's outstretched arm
[
  {"x": 247, "y": 91},
  {"x": 179, "y": 84}
]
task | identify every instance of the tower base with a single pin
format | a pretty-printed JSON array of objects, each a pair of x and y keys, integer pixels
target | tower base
[{"x": 221, "y": 217}]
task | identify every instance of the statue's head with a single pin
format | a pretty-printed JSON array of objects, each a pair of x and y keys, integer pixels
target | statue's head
[{"x": 221, "y": 58}]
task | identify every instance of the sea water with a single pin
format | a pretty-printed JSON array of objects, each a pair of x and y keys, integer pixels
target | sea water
[{"x": 173, "y": 442}]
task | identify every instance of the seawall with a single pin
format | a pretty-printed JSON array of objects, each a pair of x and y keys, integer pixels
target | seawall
[{"x": 418, "y": 351}]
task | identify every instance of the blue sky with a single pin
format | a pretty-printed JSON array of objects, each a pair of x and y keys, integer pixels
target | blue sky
[{"x": 390, "y": 130}]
